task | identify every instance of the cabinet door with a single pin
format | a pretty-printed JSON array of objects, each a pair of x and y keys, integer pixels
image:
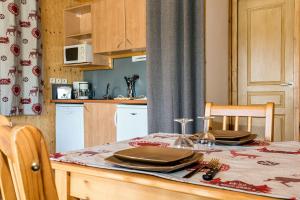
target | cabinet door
[
  {"x": 108, "y": 25},
  {"x": 135, "y": 24},
  {"x": 99, "y": 124}
]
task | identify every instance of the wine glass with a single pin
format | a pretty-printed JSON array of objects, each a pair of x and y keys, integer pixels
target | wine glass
[
  {"x": 183, "y": 141},
  {"x": 206, "y": 138}
]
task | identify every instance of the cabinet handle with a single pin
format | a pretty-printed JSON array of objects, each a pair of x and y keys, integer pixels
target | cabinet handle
[
  {"x": 288, "y": 84},
  {"x": 133, "y": 113},
  {"x": 119, "y": 44},
  {"x": 128, "y": 41},
  {"x": 115, "y": 118}
]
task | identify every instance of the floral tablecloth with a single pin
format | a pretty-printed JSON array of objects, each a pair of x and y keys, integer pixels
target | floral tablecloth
[{"x": 261, "y": 168}]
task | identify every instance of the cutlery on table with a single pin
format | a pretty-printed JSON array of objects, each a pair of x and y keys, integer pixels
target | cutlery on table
[
  {"x": 212, "y": 172},
  {"x": 201, "y": 166}
]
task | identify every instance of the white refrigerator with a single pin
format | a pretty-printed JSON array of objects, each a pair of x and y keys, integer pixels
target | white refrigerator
[
  {"x": 69, "y": 127},
  {"x": 131, "y": 121}
]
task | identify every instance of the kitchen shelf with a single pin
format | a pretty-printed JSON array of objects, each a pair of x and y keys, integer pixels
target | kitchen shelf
[
  {"x": 88, "y": 66},
  {"x": 80, "y": 36},
  {"x": 78, "y": 30},
  {"x": 108, "y": 58},
  {"x": 80, "y": 9},
  {"x": 78, "y": 24}
]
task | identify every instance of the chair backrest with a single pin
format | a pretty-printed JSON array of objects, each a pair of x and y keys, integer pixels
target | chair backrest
[
  {"x": 25, "y": 168},
  {"x": 6, "y": 183},
  {"x": 265, "y": 111},
  {"x": 4, "y": 121}
]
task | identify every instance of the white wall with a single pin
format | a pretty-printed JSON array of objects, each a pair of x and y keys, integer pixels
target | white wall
[{"x": 217, "y": 51}]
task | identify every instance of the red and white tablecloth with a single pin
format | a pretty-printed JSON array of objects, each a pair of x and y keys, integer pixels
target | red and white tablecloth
[{"x": 262, "y": 168}]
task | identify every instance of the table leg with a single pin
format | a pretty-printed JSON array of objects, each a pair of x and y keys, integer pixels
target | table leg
[{"x": 62, "y": 182}]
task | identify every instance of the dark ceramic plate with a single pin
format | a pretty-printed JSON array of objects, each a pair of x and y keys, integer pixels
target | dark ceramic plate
[
  {"x": 197, "y": 157},
  {"x": 240, "y": 141}
]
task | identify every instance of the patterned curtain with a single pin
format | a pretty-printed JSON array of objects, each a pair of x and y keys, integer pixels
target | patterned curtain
[{"x": 20, "y": 58}]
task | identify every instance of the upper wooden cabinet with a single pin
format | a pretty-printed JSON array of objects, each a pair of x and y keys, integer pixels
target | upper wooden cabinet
[
  {"x": 77, "y": 24},
  {"x": 78, "y": 30},
  {"x": 135, "y": 24},
  {"x": 118, "y": 25}
]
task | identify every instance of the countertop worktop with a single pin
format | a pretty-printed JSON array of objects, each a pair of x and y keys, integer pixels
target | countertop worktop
[{"x": 79, "y": 101}]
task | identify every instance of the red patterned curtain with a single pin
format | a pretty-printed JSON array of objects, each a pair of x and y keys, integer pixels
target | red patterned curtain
[{"x": 20, "y": 58}]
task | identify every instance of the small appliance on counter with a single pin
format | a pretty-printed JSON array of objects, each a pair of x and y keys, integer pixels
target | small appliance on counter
[
  {"x": 62, "y": 91},
  {"x": 76, "y": 54},
  {"x": 81, "y": 90}
]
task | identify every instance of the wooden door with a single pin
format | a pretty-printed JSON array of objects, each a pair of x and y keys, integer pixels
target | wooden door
[
  {"x": 135, "y": 11},
  {"x": 266, "y": 60},
  {"x": 99, "y": 124},
  {"x": 108, "y": 25}
]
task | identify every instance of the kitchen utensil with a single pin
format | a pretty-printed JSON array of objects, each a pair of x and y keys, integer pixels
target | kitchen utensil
[
  {"x": 159, "y": 155},
  {"x": 107, "y": 95},
  {"x": 210, "y": 164},
  {"x": 154, "y": 167},
  {"x": 130, "y": 81},
  {"x": 195, "y": 171},
  {"x": 183, "y": 141},
  {"x": 212, "y": 172},
  {"x": 239, "y": 141}
]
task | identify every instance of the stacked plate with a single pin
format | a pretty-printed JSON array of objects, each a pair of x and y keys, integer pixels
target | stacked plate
[
  {"x": 156, "y": 159},
  {"x": 233, "y": 137},
  {"x": 228, "y": 137}
]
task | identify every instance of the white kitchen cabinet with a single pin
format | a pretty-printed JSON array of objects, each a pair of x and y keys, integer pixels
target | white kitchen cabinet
[
  {"x": 69, "y": 127},
  {"x": 131, "y": 121}
]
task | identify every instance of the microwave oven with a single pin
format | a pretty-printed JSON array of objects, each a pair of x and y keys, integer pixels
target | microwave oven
[{"x": 76, "y": 54}]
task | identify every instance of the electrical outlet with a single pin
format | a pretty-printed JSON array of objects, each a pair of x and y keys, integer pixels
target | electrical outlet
[
  {"x": 52, "y": 80},
  {"x": 58, "y": 80},
  {"x": 64, "y": 81}
]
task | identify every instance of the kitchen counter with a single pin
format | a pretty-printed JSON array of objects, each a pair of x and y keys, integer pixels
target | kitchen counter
[{"x": 79, "y": 101}]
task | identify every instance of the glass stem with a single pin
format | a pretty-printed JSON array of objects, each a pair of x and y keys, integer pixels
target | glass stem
[
  {"x": 206, "y": 121},
  {"x": 183, "y": 129}
]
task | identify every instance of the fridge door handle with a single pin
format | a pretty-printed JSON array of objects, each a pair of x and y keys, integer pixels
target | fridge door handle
[{"x": 115, "y": 118}]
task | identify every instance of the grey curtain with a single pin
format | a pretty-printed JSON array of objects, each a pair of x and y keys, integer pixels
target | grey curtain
[{"x": 175, "y": 63}]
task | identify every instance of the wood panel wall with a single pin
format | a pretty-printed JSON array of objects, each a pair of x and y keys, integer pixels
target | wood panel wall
[{"x": 53, "y": 42}]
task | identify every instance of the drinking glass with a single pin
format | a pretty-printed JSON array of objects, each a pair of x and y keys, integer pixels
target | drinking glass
[
  {"x": 183, "y": 141},
  {"x": 206, "y": 138}
]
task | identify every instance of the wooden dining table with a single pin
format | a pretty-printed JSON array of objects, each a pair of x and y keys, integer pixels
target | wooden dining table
[
  {"x": 90, "y": 183},
  {"x": 260, "y": 170}
]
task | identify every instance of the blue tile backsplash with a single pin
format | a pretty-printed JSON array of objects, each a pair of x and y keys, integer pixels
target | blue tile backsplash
[{"x": 122, "y": 67}]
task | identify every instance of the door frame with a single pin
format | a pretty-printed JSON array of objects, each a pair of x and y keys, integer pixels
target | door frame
[{"x": 233, "y": 60}]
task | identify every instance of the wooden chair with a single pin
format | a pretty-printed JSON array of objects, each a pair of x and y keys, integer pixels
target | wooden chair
[
  {"x": 25, "y": 170},
  {"x": 264, "y": 111},
  {"x": 4, "y": 121}
]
